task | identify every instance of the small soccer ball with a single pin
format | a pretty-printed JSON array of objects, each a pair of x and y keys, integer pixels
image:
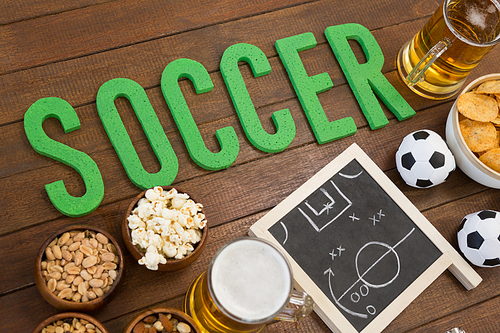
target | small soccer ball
[
  {"x": 479, "y": 238},
  {"x": 424, "y": 160}
]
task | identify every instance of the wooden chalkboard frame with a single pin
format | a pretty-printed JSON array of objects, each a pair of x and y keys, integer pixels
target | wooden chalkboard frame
[{"x": 329, "y": 313}]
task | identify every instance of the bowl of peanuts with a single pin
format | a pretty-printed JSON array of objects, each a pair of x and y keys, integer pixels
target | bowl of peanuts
[
  {"x": 473, "y": 130},
  {"x": 164, "y": 229},
  {"x": 70, "y": 322},
  {"x": 79, "y": 268},
  {"x": 162, "y": 320}
]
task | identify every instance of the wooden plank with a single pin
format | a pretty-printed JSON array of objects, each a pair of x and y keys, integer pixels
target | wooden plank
[
  {"x": 225, "y": 191},
  {"x": 13, "y": 11},
  {"x": 482, "y": 318},
  {"x": 446, "y": 295},
  {"x": 111, "y": 25},
  {"x": 91, "y": 138},
  {"x": 78, "y": 80}
]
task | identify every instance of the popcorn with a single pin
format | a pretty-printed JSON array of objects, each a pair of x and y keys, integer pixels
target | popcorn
[
  {"x": 170, "y": 250},
  {"x": 135, "y": 222},
  {"x": 165, "y": 225},
  {"x": 152, "y": 258}
]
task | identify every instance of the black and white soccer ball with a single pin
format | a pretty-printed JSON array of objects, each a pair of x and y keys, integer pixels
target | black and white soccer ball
[
  {"x": 479, "y": 238},
  {"x": 424, "y": 160}
]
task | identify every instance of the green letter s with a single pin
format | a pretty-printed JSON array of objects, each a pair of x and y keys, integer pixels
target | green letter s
[{"x": 65, "y": 203}]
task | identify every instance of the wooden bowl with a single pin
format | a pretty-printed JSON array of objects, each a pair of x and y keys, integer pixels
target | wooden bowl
[
  {"x": 172, "y": 264},
  {"x": 179, "y": 315},
  {"x": 68, "y": 305},
  {"x": 65, "y": 315}
]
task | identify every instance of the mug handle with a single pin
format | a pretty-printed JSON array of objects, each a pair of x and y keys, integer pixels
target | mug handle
[
  {"x": 300, "y": 306},
  {"x": 417, "y": 73}
]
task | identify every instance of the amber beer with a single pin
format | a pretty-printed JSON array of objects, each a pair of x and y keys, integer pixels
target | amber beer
[
  {"x": 248, "y": 283},
  {"x": 436, "y": 62}
]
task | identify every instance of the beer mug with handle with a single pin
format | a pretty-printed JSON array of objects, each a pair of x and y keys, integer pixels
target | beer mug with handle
[
  {"x": 248, "y": 284},
  {"x": 436, "y": 62}
]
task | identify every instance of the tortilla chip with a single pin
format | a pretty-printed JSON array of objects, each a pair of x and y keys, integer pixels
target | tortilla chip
[
  {"x": 496, "y": 121},
  {"x": 477, "y": 107},
  {"x": 478, "y": 136},
  {"x": 489, "y": 87},
  {"x": 492, "y": 159}
]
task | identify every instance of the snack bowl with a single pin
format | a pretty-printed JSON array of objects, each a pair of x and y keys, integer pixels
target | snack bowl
[
  {"x": 466, "y": 160},
  {"x": 71, "y": 273},
  {"x": 152, "y": 315},
  {"x": 171, "y": 264},
  {"x": 68, "y": 317}
]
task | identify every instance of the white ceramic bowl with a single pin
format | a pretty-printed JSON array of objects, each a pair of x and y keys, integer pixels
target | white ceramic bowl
[{"x": 465, "y": 158}]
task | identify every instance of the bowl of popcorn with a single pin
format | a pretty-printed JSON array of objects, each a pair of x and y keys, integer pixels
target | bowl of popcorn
[
  {"x": 162, "y": 320},
  {"x": 165, "y": 229},
  {"x": 79, "y": 268},
  {"x": 70, "y": 322},
  {"x": 473, "y": 130}
]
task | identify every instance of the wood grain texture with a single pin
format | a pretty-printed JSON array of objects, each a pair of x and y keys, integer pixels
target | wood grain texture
[
  {"x": 13, "y": 11},
  {"x": 69, "y": 49},
  {"x": 77, "y": 80},
  {"x": 114, "y": 24}
]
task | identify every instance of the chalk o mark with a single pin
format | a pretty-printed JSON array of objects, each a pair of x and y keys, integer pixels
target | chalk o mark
[
  {"x": 355, "y": 297},
  {"x": 371, "y": 309},
  {"x": 286, "y": 232},
  {"x": 364, "y": 290}
]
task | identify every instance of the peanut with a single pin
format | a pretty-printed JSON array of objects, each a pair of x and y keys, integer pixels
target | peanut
[
  {"x": 79, "y": 266},
  {"x": 101, "y": 238},
  {"x": 77, "y": 325}
]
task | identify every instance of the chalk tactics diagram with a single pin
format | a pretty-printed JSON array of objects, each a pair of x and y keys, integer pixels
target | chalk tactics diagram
[
  {"x": 359, "y": 245},
  {"x": 328, "y": 204}
]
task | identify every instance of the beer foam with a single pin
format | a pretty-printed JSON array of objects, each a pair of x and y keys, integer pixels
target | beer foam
[
  {"x": 476, "y": 17},
  {"x": 251, "y": 280}
]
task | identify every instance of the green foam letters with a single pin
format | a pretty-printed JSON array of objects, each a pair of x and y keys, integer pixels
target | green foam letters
[
  {"x": 120, "y": 139},
  {"x": 366, "y": 78},
  {"x": 200, "y": 154},
  {"x": 53, "y": 107},
  {"x": 285, "y": 126},
  {"x": 307, "y": 88}
]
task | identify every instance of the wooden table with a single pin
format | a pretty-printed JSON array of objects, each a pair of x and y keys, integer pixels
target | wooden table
[{"x": 69, "y": 49}]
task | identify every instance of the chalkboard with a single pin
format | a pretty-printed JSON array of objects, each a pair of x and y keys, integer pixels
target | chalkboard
[{"x": 358, "y": 246}]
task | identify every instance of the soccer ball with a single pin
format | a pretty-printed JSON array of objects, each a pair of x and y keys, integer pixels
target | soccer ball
[
  {"x": 424, "y": 160},
  {"x": 479, "y": 238}
]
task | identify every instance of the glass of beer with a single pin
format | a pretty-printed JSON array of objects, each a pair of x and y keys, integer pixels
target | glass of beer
[
  {"x": 436, "y": 62},
  {"x": 249, "y": 283}
]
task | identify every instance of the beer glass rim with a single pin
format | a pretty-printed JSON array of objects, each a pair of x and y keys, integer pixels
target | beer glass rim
[
  {"x": 216, "y": 301},
  {"x": 462, "y": 38}
]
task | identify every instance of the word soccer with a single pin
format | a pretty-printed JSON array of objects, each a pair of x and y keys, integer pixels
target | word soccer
[{"x": 366, "y": 81}]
